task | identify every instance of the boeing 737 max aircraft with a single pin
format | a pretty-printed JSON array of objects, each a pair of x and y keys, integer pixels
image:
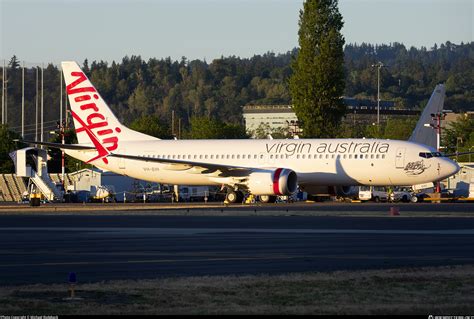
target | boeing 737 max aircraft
[{"x": 261, "y": 167}]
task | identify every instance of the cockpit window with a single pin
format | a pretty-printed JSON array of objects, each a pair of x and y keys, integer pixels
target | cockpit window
[{"x": 430, "y": 154}]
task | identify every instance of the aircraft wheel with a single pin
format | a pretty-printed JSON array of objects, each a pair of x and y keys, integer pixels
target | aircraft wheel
[
  {"x": 267, "y": 198},
  {"x": 234, "y": 197},
  {"x": 414, "y": 199}
]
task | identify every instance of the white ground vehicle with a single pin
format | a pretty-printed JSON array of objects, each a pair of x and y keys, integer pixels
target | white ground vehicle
[
  {"x": 403, "y": 194},
  {"x": 375, "y": 193}
]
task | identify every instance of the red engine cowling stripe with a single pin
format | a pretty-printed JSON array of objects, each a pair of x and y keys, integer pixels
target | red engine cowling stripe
[{"x": 276, "y": 179}]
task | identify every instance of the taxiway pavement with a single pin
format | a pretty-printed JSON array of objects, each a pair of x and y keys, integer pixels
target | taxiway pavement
[{"x": 44, "y": 248}]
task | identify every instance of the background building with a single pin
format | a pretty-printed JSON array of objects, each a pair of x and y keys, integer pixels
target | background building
[{"x": 282, "y": 117}]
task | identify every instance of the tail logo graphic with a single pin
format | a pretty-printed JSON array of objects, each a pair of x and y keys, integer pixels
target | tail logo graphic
[{"x": 95, "y": 124}]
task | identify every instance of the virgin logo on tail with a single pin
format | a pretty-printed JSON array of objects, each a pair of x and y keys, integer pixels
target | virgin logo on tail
[{"x": 92, "y": 121}]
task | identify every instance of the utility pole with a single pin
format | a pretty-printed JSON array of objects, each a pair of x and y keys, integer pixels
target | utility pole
[
  {"x": 6, "y": 97},
  {"x": 3, "y": 93},
  {"x": 23, "y": 101},
  {"x": 62, "y": 128},
  {"x": 36, "y": 98}
]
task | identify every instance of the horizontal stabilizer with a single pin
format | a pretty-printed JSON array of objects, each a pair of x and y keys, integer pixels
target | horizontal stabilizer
[{"x": 62, "y": 146}]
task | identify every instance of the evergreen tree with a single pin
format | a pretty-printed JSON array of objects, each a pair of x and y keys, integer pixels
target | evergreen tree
[
  {"x": 317, "y": 83},
  {"x": 151, "y": 125},
  {"x": 7, "y": 145}
]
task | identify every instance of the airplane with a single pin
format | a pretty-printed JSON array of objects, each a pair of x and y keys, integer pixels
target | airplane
[{"x": 267, "y": 168}]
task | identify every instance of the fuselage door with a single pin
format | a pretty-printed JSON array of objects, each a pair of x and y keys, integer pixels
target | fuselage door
[{"x": 400, "y": 158}]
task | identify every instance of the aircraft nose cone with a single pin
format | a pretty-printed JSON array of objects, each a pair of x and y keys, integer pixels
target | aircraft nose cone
[{"x": 451, "y": 168}]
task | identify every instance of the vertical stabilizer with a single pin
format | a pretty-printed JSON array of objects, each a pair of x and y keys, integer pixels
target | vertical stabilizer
[
  {"x": 421, "y": 133},
  {"x": 93, "y": 119}
]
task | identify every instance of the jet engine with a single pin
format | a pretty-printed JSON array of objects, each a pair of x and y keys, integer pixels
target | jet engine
[
  {"x": 340, "y": 191},
  {"x": 281, "y": 181},
  {"x": 345, "y": 191}
]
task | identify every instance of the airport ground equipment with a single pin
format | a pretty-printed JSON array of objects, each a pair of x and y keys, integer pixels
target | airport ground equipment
[{"x": 32, "y": 162}]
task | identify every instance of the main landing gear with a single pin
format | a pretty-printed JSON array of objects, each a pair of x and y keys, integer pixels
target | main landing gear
[
  {"x": 267, "y": 198},
  {"x": 234, "y": 196}
]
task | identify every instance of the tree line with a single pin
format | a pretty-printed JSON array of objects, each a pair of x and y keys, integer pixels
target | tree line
[
  {"x": 207, "y": 98},
  {"x": 217, "y": 90}
]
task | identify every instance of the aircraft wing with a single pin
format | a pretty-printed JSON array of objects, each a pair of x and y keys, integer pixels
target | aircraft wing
[
  {"x": 196, "y": 167},
  {"x": 173, "y": 164}
]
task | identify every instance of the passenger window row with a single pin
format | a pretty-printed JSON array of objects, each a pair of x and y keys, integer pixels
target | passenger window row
[{"x": 271, "y": 156}]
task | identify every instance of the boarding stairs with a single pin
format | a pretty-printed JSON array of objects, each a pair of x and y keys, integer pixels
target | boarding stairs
[
  {"x": 46, "y": 186},
  {"x": 32, "y": 162}
]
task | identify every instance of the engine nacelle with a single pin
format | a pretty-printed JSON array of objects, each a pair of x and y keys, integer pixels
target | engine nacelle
[
  {"x": 342, "y": 191},
  {"x": 281, "y": 181},
  {"x": 346, "y": 191}
]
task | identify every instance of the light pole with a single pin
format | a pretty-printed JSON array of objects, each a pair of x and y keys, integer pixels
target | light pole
[
  {"x": 378, "y": 65},
  {"x": 457, "y": 147},
  {"x": 437, "y": 118}
]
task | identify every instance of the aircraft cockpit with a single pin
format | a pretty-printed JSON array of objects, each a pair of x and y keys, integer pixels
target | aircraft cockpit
[{"x": 430, "y": 154}]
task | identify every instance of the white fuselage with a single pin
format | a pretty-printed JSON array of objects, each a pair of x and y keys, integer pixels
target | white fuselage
[{"x": 334, "y": 162}]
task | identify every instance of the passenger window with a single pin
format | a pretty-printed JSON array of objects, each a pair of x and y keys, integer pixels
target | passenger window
[
  {"x": 372, "y": 156},
  {"x": 200, "y": 156},
  {"x": 233, "y": 156},
  {"x": 350, "y": 156},
  {"x": 355, "y": 156},
  {"x": 238, "y": 156},
  {"x": 255, "y": 156},
  {"x": 383, "y": 156},
  {"x": 377, "y": 156}
]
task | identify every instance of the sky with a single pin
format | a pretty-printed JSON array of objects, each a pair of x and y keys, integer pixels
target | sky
[{"x": 56, "y": 30}]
